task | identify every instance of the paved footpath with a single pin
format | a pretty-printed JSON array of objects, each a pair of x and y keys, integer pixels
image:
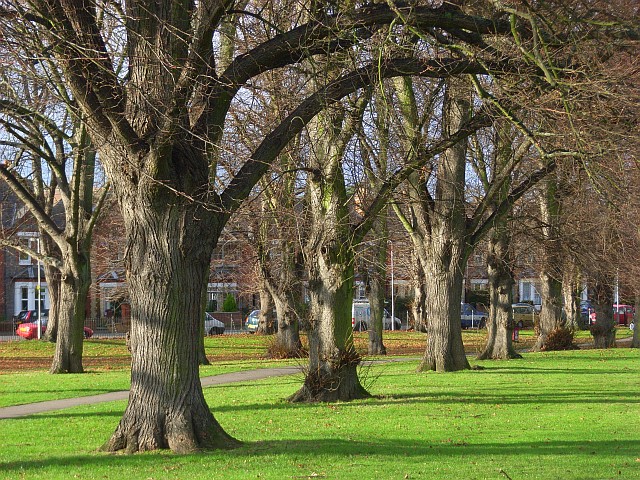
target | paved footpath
[
  {"x": 225, "y": 378},
  {"x": 234, "y": 377}
]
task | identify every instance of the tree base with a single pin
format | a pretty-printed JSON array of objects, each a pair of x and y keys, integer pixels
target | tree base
[
  {"x": 141, "y": 431},
  {"x": 603, "y": 336},
  {"x": 280, "y": 351},
  {"x": 377, "y": 350},
  {"x": 341, "y": 384},
  {"x": 498, "y": 355}
]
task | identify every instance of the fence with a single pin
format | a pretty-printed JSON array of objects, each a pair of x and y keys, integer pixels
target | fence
[{"x": 114, "y": 327}]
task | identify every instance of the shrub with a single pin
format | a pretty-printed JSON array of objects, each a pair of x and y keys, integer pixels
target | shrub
[
  {"x": 229, "y": 304},
  {"x": 276, "y": 351},
  {"x": 560, "y": 339}
]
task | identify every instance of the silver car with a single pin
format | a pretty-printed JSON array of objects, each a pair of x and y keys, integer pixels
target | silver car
[{"x": 212, "y": 326}]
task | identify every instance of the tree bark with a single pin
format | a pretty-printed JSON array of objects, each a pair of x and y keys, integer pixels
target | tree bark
[
  {"x": 329, "y": 257},
  {"x": 445, "y": 350},
  {"x": 52, "y": 275},
  {"x": 571, "y": 296},
  {"x": 376, "y": 286},
  {"x": 603, "y": 331},
  {"x": 169, "y": 244},
  {"x": 332, "y": 372},
  {"x": 72, "y": 298},
  {"x": 445, "y": 250},
  {"x": 635, "y": 343},
  {"x": 288, "y": 343},
  {"x": 266, "y": 322},
  {"x": 550, "y": 277},
  {"x": 500, "y": 325},
  {"x": 550, "y": 310}
]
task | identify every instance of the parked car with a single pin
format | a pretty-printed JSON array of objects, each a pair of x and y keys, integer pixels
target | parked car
[
  {"x": 472, "y": 318},
  {"x": 252, "y": 320},
  {"x": 524, "y": 315},
  {"x": 623, "y": 314},
  {"x": 29, "y": 330},
  {"x": 212, "y": 326},
  {"x": 361, "y": 317},
  {"x": 30, "y": 316}
]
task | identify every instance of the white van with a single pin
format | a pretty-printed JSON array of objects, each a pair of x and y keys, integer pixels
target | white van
[{"x": 361, "y": 317}]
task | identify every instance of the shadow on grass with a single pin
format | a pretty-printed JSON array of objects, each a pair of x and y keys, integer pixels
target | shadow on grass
[
  {"x": 387, "y": 449},
  {"x": 449, "y": 398}
]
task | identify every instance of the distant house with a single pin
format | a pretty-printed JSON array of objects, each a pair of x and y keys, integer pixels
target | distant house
[
  {"x": 231, "y": 271},
  {"x": 23, "y": 279}
]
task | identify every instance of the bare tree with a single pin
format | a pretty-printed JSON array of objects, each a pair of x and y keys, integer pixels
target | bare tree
[
  {"x": 50, "y": 162},
  {"x": 500, "y": 324},
  {"x": 158, "y": 124}
]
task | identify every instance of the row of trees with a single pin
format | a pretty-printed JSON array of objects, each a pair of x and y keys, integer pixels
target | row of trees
[{"x": 187, "y": 106}]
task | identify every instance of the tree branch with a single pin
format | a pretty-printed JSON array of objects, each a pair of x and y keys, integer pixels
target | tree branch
[
  {"x": 240, "y": 187},
  {"x": 29, "y": 200}
]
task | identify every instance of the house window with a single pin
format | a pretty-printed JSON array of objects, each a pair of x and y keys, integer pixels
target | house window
[
  {"x": 479, "y": 284},
  {"x": 24, "y": 298},
  {"x": 27, "y": 240},
  {"x": 529, "y": 293}
]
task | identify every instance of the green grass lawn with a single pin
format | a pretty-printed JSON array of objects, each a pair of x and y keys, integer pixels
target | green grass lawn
[{"x": 565, "y": 415}]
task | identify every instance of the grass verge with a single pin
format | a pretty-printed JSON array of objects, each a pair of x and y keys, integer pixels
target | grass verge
[{"x": 569, "y": 415}]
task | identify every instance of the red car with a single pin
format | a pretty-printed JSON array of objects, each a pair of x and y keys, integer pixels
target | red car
[
  {"x": 623, "y": 314},
  {"x": 30, "y": 330}
]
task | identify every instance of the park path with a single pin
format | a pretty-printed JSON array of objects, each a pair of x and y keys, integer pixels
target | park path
[{"x": 17, "y": 411}]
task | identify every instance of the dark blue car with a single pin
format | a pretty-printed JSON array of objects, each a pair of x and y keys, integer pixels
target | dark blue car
[{"x": 472, "y": 318}]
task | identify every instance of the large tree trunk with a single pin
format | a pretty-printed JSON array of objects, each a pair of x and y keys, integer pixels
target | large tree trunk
[
  {"x": 329, "y": 253},
  {"x": 571, "y": 296},
  {"x": 550, "y": 277},
  {"x": 53, "y": 287},
  {"x": 290, "y": 305},
  {"x": 500, "y": 325},
  {"x": 375, "y": 327},
  {"x": 445, "y": 350},
  {"x": 603, "y": 331},
  {"x": 635, "y": 342},
  {"x": 169, "y": 246},
  {"x": 445, "y": 251},
  {"x": 288, "y": 344},
  {"x": 332, "y": 373},
  {"x": 329, "y": 257},
  {"x": 551, "y": 309},
  {"x": 53, "y": 276},
  {"x": 266, "y": 322},
  {"x": 72, "y": 299},
  {"x": 376, "y": 286}
]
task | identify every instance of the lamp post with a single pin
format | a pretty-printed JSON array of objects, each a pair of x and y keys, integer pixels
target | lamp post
[
  {"x": 616, "y": 299},
  {"x": 393, "y": 303},
  {"x": 39, "y": 293}
]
